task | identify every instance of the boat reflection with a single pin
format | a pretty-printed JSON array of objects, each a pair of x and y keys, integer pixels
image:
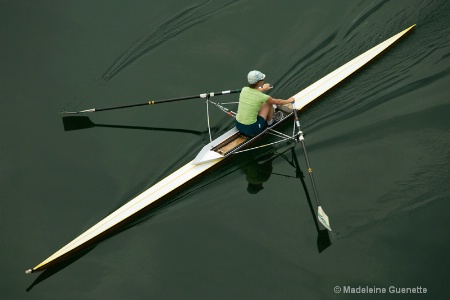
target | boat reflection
[{"x": 258, "y": 168}]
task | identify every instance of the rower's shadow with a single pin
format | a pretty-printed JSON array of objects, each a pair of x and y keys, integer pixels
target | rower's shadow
[
  {"x": 259, "y": 172},
  {"x": 72, "y": 123}
]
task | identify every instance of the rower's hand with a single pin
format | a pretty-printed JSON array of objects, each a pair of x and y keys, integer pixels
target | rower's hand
[{"x": 265, "y": 87}]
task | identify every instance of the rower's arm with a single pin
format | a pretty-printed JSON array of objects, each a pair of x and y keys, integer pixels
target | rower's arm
[{"x": 280, "y": 101}]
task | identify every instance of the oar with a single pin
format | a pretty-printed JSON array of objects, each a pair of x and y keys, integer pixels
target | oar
[
  {"x": 323, "y": 218},
  {"x": 323, "y": 237},
  {"x": 205, "y": 95}
]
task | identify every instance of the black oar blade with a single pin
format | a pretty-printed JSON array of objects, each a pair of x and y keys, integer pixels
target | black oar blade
[
  {"x": 323, "y": 240},
  {"x": 76, "y": 123}
]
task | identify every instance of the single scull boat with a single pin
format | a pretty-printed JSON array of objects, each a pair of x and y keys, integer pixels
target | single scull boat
[{"x": 212, "y": 154}]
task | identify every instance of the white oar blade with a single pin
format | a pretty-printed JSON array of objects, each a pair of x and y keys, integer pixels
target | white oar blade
[{"x": 323, "y": 218}]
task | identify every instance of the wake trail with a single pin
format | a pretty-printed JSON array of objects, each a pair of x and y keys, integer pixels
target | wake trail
[{"x": 182, "y": 21}]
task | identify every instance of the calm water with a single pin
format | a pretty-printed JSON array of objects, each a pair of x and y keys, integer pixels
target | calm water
[{"x": 379, "y": 144}]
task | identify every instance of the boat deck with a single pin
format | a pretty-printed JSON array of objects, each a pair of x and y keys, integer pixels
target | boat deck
[{"x": 233, "y": 140}]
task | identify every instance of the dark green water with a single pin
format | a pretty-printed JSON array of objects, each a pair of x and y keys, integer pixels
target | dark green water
[{"x": 379, "y": 144}]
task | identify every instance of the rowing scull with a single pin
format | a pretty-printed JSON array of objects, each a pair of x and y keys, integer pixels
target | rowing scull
[{"x": 209, "y": 156}]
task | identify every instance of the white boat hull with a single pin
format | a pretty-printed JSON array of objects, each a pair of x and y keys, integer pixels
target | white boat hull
[{"x": 205, "y": 160}]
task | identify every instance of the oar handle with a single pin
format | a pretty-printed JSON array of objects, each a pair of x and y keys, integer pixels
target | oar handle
[{"x": 151, "y": 102}]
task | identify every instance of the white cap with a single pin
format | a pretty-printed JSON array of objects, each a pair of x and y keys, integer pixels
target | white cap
[{"x": 255, "y": 76}]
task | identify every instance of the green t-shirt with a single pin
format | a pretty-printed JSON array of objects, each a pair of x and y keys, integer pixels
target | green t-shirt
[{"x": 250, "y": 101}]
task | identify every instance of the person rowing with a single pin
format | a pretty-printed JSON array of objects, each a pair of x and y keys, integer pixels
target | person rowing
[{"x": 255, "y": 108}]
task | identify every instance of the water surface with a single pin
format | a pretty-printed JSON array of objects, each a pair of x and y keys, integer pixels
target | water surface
[{"x": 379, "y": 145}]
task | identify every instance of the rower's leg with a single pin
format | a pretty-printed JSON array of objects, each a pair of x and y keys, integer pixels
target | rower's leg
[{"x": 266, "y": 111}]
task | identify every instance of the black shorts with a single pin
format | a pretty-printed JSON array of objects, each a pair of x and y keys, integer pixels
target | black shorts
[{"x": 252, "y": 129}]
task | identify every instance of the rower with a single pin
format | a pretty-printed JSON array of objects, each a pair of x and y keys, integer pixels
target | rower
[{"x": 255, "y": 109}]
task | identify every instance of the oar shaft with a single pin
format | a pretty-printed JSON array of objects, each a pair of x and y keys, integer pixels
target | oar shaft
[
  {"x": 302, "y": 141},
  {"x": 205, "y": 95},
  {"x": 116, "y": 107},
  {"x": 310, "y": 171},
  {"x": 194, "y": 96},
  {"x": 323, "y": 218}
]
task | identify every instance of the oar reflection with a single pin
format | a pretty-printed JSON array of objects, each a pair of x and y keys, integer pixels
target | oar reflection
[
  {"x": 259, "y": 172},
  {"x": 82, "y": 122}
]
